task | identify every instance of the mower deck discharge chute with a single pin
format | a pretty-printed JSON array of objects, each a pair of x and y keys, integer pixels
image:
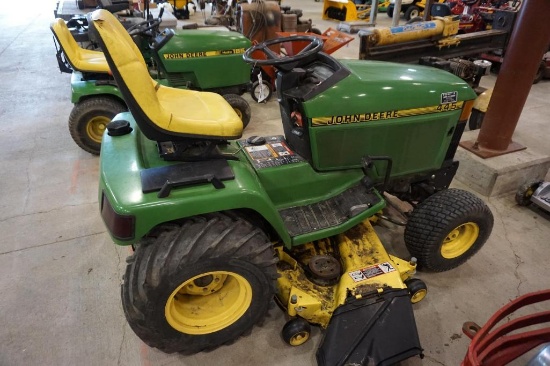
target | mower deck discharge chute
[{"x": 220, "y": 226}]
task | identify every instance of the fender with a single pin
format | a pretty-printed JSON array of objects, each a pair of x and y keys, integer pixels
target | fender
[
  {"x": 482, "y": 101},
  {"x": 122, "y": 189},
  {"x": 84, "y": 88}
]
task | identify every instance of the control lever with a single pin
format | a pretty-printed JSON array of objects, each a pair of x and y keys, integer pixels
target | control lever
[{"x": 367, "y": 163}]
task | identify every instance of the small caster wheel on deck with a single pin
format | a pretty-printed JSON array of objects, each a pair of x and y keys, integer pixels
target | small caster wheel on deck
[
  {"x": 296, "y": 332},
  {"x": 417, "y": 289}
]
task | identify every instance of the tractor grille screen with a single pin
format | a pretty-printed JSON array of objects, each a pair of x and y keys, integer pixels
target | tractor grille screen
[{"x": 415, "y": 144}]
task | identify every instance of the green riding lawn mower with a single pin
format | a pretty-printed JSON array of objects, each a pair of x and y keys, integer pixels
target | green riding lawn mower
[
  {"x": 208, "y": 60},
  {"x": 220, "y": 225}
]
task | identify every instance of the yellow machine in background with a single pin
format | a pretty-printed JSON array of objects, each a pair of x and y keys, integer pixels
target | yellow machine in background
[
  {"x": 442, "y": 29},
  {"x": 348, "y": 11}
]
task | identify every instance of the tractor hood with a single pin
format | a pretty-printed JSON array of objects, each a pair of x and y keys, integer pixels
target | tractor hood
[
  {"x": 194, "y": 43},
  {"x": 382, "y": 88},
  {"x": 357, "y": 108},
  {"x": 204, "y": 59}
]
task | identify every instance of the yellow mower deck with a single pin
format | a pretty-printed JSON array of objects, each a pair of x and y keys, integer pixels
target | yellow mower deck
[{"x": 365, "y": 268}]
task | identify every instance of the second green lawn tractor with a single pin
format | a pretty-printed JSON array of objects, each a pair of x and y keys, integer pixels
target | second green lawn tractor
[
  {"x": 209, "y": 60},
  {"x": 220, "y": 225}
]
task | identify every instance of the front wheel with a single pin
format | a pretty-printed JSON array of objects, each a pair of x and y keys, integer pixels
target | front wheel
[
  {"x": 525, "y": 192},
  {"x": 241, "y": 107},
  {"x": 296, "y": 332},
  {"x": 390, "y": 11},
  {"x": 447, "y": 228},
  {"x": 417, "y": 289},
  {"x": 476, "y": 119},
  {"x": 199, "y": 284},
  {"x": 261, "y": 93},
  {"x": 412, "y": 12},
  {"x": 89, "y": 118}
]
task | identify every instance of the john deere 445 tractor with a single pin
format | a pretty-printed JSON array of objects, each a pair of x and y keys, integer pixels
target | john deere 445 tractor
[
  {"x": 204, "y": 59},
  {"x": 221, "y": 224}
]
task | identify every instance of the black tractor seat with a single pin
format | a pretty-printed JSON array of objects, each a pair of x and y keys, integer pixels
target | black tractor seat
[{"x": 162, "y": 113}]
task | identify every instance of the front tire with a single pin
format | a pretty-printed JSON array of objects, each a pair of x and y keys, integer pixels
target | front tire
[
  {"x": 262, "y": 90},
  {"x": 241, "y": 107},
  {"x": 525, "y": 192},
  {"x": 412, "y": 12},
  {"x": 417, "y": 289},
  {"x": 390, "y": 11},
  {"x": 199, "y": 284},
  {"x": 476, "y": 119},
  {"x": 88, "y": 121},
  {"x": 447, "y": 229},
  {"x": 296, "y": 332}
]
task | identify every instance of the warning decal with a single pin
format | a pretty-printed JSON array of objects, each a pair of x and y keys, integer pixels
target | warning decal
[{"x": 370, "y": 272}]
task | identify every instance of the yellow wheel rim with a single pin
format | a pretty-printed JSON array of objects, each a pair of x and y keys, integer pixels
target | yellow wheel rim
[
  {"x": 299, "y": 338},
  {"x": 208, "y": 302},
  {"x": 96, "y": 126},
  {"x": 459, "y": 240},
  {"x": 418, "y": 296},
  {"x": 239, "y": 113}
]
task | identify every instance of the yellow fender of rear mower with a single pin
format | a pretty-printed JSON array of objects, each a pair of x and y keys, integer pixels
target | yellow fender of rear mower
[
  {"x": 482, "y": 101},
  {"x": 366, "y": 268},
  {"x": 352, "y": 14}
]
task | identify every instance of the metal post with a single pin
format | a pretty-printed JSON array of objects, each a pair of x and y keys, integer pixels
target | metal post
[
  {"x": 528, "y": 43},
  {"x": 396, "y": 13},
  {"x": 373, "y": 12},
  {"x": 428, "y": 10}
]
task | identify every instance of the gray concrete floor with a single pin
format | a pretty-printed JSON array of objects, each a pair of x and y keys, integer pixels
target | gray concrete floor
[{"x": 60, "y": 273}]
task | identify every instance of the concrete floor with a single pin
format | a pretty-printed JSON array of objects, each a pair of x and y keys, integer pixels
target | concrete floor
[{"x": 60, "y": 273}]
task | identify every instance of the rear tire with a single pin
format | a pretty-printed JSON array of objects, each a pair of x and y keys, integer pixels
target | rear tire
[
  {"x": 447, "y": 228},
  {"x": 89, "y": 118},
  {"x": 241, "y": 107},
  {"x": 179, "y": 274}
]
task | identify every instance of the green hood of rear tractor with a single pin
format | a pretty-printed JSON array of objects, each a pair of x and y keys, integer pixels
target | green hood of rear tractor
[{"x": 206, "y": 58}]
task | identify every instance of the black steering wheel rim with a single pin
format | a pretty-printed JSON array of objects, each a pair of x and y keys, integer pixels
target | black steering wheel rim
[
  {"x": 315, "y": 46},
  {"x": 144, "y": 26}
]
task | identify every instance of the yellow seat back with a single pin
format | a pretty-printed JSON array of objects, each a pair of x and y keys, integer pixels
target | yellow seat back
[
  {"x": 79, "y": 58},
  {"x": 157, "y": 109}
]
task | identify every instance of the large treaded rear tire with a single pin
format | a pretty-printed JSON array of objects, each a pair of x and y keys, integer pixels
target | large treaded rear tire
[
  {"x": 447, "y": 228},
  {"x": 177, "y": 261},
  {"x": 89, "y": 118}
]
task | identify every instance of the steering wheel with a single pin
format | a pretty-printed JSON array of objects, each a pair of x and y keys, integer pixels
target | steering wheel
[
  {"x": 144, "y": 27},
  {"x": 314, "y": 46}
]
